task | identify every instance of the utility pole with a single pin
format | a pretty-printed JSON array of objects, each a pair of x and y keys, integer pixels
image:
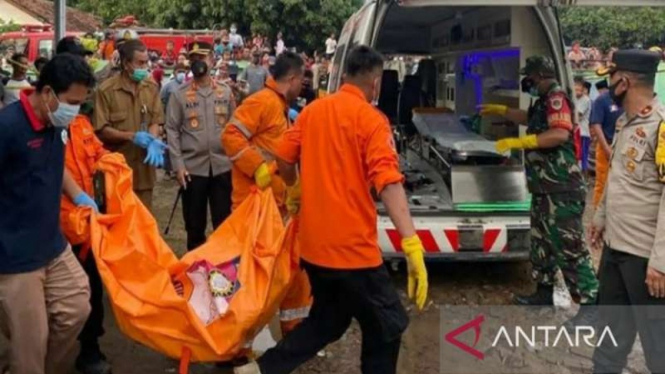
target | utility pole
[{"x": 60, "y": 20}]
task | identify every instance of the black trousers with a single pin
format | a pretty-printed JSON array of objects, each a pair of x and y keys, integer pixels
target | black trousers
[
  {"x": 202, "y": 192},
  {"x": 339, "y": 296},
  {"x": 622, "y": 283},
  {"x": 94, "y": 326}
]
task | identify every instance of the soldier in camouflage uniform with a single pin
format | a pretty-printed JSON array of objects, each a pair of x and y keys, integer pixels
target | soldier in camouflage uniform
[{"x": 557, "y": 186}]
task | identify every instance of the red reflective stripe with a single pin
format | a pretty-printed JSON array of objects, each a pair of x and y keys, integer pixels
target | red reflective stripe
[
  {"x": 453, "y": 238},
  {"x": 489, "y": 238},
  {"x": 395, "y": 239},
  {"x": 428, "y": 241}
]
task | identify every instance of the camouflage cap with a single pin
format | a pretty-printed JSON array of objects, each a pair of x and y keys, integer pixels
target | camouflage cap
[{"x": 539, "y": 64}]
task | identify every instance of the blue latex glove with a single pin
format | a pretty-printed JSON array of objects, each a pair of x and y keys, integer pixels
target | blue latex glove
[
  {"x": 293, "y": 114},
  {"x": 83, "y": 199},
  {"x": 143, "y": 139},
  {"x": 156, "y": 154}
]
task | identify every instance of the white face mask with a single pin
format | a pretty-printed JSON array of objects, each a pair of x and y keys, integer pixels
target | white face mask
[{"x": 64, "y": 115}]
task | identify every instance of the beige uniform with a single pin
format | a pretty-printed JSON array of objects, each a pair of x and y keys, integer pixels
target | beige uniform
[
  {"x": 195, "y": 119},
  {"x": 125, "y": 106},
  {"x": 633, "y": 208}
]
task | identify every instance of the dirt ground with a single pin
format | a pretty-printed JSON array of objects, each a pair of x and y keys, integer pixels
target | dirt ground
[{"x": 450, "y": 284}]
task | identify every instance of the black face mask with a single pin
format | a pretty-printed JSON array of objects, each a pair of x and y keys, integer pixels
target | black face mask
[
  {"x": 199, "y": 68},
  {"x": 527, "y": 83},
  {"x": 617, "y": 99}
]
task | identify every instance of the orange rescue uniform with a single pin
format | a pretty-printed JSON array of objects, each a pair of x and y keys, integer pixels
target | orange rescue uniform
[
  {"x": 602, "y": 170},
  {"x": 82, "y": 152},
  {"x": 345, "y": 147},
  {"x": 251, "y": 138}
]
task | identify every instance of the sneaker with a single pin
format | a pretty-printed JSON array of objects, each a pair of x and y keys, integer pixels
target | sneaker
[
  {"x": 251, "y": 368},
  {"x": 544, "y": 295},
  {"x": 92, "y": 362}
]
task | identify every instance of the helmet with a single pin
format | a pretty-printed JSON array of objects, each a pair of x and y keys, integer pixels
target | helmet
[
  {"x": 125, "y": 34},
  {"x": 656, "y": 48},
  {"x": 539, "y": 64}
]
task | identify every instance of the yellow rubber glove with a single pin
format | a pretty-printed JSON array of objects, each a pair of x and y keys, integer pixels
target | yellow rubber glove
[
  {"x": 262, "y": 176},
  {"x": 524, "y": 142},
  {"x": 492, "y": 109},
  {"x": 293, "y": 194},
  {"x": 415, "y": 261}
]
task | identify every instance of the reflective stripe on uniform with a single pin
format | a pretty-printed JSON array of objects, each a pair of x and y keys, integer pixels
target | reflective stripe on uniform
[
  {"x": 241, "y": 126},
  {"x": 293, "y": 314},
  {"x": 237, "y": 155},
  {"x": 267, "y": 156}
]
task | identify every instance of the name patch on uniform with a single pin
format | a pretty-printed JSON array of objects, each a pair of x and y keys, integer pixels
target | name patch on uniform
[{"x": 637, "y": 140}]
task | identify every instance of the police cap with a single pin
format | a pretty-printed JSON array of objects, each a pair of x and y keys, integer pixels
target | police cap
[
  {"x": 632, "y": 60},
  {"x": 539, "y": 64}
]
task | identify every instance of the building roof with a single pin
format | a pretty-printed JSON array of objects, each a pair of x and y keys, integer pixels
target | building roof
[{"x": 44, "y": 11}]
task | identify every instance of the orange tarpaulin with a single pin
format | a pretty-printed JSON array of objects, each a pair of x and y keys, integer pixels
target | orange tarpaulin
[{"x": 232, "y": 285}]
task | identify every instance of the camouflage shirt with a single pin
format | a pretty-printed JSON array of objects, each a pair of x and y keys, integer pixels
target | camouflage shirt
[{"x": 553, "y": 170}]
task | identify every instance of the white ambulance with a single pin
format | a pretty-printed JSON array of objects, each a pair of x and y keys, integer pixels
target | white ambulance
[{"x": 445, "y": 58}]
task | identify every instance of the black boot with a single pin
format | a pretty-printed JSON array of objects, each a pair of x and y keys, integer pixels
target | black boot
[
  {"x": 587, "y": 315},
  {"x": 544, "y": 295},
  {"x": 91, "y": 360}
]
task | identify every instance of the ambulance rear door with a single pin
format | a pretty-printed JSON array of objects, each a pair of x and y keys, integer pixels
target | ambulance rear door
[{"x": 357, "y": 31}]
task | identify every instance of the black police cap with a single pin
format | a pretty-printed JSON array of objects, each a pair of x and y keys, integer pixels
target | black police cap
[
  {"x": 632, "y": 60},
  {"x": 199, "y": 48}
]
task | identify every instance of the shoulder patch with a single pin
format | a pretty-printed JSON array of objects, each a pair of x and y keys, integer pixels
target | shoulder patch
[{"x": 556, "y": 103}]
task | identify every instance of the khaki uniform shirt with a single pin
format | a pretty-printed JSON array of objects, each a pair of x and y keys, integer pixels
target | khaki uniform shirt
[
  {"x": 633, "y": 207},
  {"x": 195, "y": 118},
  {"x": 125, "y": 106}
]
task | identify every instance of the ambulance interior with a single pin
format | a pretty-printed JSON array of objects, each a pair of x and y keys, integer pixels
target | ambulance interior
[{"x": 473, "y": 56}]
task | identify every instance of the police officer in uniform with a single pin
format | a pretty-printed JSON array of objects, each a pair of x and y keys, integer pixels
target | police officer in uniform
[
  {"x": 557, "y": 186},
  {"x": 127, "y": 116},
  {"x": 197, "y": 113},
  {"x": 631, "y": 217}
]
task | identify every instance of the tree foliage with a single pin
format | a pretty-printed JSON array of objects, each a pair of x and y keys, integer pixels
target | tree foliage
[
  {"x": 305, "y": 23},
  {"x": 607, "y": 27},
  {"x": 8, "y": 26}
]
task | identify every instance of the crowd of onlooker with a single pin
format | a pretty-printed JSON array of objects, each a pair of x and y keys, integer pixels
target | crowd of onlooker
[
  {"x": 244, "y": 63},
  {"x": 590, "y": 58}
]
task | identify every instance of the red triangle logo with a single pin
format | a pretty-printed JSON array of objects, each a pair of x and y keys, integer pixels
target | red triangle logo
[{"x": 474, "y": 324}]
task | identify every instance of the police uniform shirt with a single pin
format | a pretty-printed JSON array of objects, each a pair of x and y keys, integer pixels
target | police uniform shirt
[
  {"x": 194, "y": 122},
  {"x": 633, "y": 207}
]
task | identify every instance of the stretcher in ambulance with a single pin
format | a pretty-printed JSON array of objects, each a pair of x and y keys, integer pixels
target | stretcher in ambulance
[{"x": 468, "y": 202}]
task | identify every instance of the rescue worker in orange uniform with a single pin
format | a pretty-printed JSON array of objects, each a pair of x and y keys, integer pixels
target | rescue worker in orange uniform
[
  {"x": 257, "y": 126},
  {"x": 82, "y": 152},
  {"x": 250, "y": 140},
  {"x": 345, "y": 147}
]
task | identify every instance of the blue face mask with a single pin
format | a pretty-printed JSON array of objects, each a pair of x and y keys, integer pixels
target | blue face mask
[
  {"x": 139, "y": 74},
  {"x": 64, "y": 115},
  {"x": 180, "y": 77}
]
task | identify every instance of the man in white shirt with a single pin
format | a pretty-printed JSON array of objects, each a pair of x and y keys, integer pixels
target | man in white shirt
[
  {"x": 583, "y": 108},
  {"x": 280, "y": 47},
  {"x": 19, "y": 79},
  {"x": 331, "y": 45},
  {"x": 235, "y": 38}
]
